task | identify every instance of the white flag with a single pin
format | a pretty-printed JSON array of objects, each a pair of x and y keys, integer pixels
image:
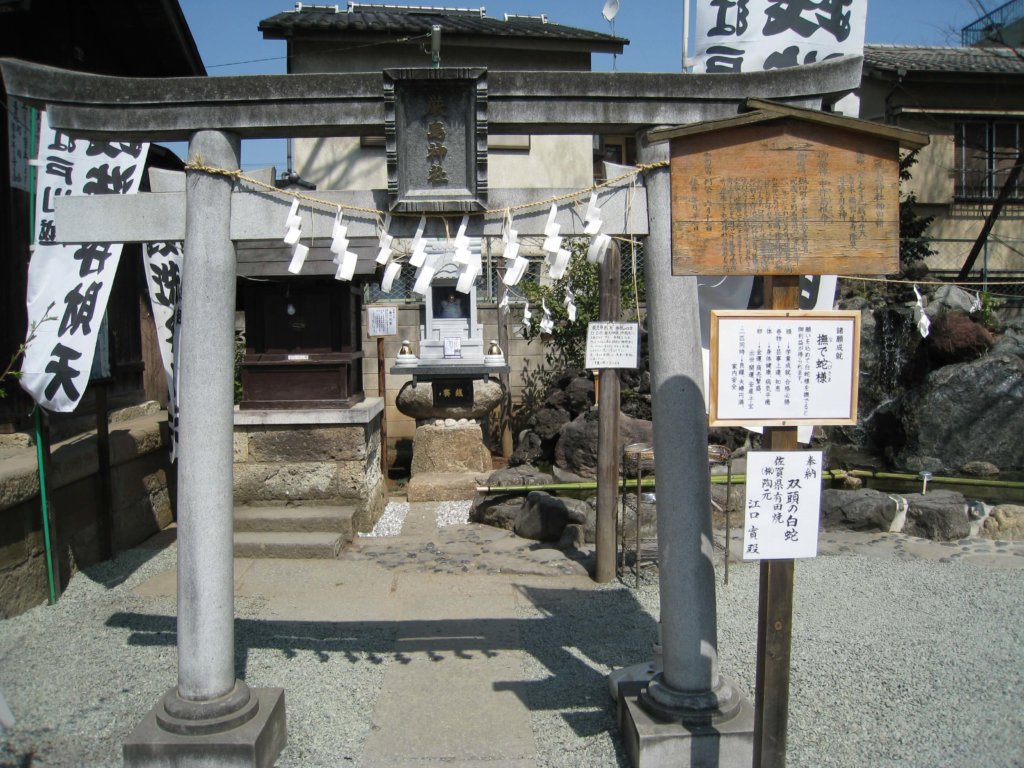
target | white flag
[{"x": 77, "y": 278}]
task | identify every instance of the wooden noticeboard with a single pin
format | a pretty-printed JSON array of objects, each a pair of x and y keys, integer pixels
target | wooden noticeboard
[{"x": 786, "y": 197}]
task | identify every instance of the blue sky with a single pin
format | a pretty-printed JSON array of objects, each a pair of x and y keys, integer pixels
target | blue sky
[{"x": 230, "y": 43}]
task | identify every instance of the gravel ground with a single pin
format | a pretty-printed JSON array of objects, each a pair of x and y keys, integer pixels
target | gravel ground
[
  {"x": 913, "y": 664},
  {"x": 894, "y": 663},
  {"x": 390, "y": 521}
]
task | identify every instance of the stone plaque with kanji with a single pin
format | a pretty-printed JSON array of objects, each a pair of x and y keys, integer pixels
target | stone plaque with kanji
[
  {"x": 435, "y": 126},
  {"x": 783, "y": 198}
]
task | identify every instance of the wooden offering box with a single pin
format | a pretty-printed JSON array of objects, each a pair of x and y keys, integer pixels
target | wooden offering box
[{"x": 302, "y": 345}]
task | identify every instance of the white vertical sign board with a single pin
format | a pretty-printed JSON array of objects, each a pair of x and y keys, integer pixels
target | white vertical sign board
[
  {"x": 381, "y": 321},
  {"x": 755, "y": 35},
  {"x": 783, "y": 505},
  {"x": 613, "y": 345},
  {"x": 784, "y": 368},
  {"x": 74, "y": 279}
]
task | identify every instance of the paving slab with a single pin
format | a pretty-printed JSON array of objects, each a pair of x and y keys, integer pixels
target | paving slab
[{"x": 480, "y": 721}]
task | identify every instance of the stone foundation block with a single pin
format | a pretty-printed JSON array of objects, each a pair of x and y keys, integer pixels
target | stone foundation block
[
  {"x": 255, "y": 744},
  {"x": 444, "y": 486},
  {"x": 654, "y": 743},
  {"x": 450, "y": 448}
]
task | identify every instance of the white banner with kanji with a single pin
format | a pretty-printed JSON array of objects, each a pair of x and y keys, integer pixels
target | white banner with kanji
[
  {"x": 755, "y": 35},
  {"x": 69, "y": 285},
  {"x": 163, "y": 272}
]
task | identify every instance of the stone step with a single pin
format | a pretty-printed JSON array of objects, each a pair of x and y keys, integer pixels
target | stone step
[
  {"x": 299, "y": 545},
  {"x": 311, "y": 519}
]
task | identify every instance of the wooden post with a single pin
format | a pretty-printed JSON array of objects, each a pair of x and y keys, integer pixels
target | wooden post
[
  {"x": 382, "y": 393},
  {"x": 775, "y": 596},
  {"x": 105, "y": 501},
  {"x": 504, "y": 378},
  {"x": 608, "y": 449}
]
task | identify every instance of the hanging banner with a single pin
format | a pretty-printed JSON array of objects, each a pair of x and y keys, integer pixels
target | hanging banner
[
  {"x": 163, "y": 268},
  {"x": 754, "y": 35},
  {"x": 71, "y": 282}
]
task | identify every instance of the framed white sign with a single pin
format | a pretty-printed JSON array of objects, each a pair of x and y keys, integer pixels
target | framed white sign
[
  {"x": 783, "y": 504},
  {"x": 784, "y": 368},
  {"x": 381, "y": 320},
  {"x": 613, "y": 345},
  {"x": 453, "y": 346}
]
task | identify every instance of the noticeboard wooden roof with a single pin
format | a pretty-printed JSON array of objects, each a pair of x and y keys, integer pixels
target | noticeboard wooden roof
[{"x": 764, "y": 110}]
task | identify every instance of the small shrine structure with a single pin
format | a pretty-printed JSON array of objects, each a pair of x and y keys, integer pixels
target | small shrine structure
[{"x": 452, "y": 392}]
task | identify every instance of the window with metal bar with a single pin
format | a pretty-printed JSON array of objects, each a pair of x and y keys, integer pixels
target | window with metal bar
[{"x": 985, "y": 153}]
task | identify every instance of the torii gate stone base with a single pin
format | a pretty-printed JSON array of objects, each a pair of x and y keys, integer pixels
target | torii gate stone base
[{"x": 680, "y": 712}]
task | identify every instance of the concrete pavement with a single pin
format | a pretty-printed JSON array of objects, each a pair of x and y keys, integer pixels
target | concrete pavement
[{"x": 451, "y": 602}]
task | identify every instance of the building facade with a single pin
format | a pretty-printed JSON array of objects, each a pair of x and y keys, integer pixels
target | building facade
[
  {"x": 971, "y": 102},
  {"x": 368, "y": 38}
]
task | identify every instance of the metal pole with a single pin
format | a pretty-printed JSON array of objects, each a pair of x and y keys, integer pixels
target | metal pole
[
  {"x": 382, "y": 393},
  {"x": 636, "y": 560},
  {"x": 728, "y": 526},
  {"x": 49, "y": 519}
]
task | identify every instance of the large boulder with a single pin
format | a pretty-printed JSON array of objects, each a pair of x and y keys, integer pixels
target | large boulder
[
  {"x": 576, "y": 450},
  {"x": 499, "y": 511},
  {"x": 416, "y": 400},
  {"x": 947, "y": 298},
  {"x": 518, "y": 475},
  {"x": 966, "y": 412},
  {"x": 939, "y": 515},
  {"x": 548, "y": 422},
  {"x": 1010, "y": 343},
  {"x": 955, "y": 338},
  {"x": 862, "y": 510},
  {"x": 1005, "y": 521},
  {"x": 542, "y": 517},
  {"x": 530, "y": 450}
]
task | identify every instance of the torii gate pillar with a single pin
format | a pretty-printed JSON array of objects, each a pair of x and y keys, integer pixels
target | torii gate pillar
[
  {"x": 688, "y": 714},
  {"x": 208, "y": 712}
]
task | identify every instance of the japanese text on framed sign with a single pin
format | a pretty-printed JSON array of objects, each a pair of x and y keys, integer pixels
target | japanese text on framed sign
[
  {"x": 783, "y": 504},
  {"x": 381, "y": 321},
  {"x": 784, "y": 368},
  {"x": 613, "y": 345}
]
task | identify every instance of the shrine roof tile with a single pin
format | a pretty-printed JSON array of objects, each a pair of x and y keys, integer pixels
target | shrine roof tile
[
  {"x": 369, "y": 19},
  {"x": 935, "y": 59}
]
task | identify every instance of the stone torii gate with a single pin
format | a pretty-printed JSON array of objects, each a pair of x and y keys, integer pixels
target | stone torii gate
[{"x": 209, "y": 717}]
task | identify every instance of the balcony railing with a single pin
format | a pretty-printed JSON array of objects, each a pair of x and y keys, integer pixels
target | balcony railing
[{"x": 988, "y": 26}]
